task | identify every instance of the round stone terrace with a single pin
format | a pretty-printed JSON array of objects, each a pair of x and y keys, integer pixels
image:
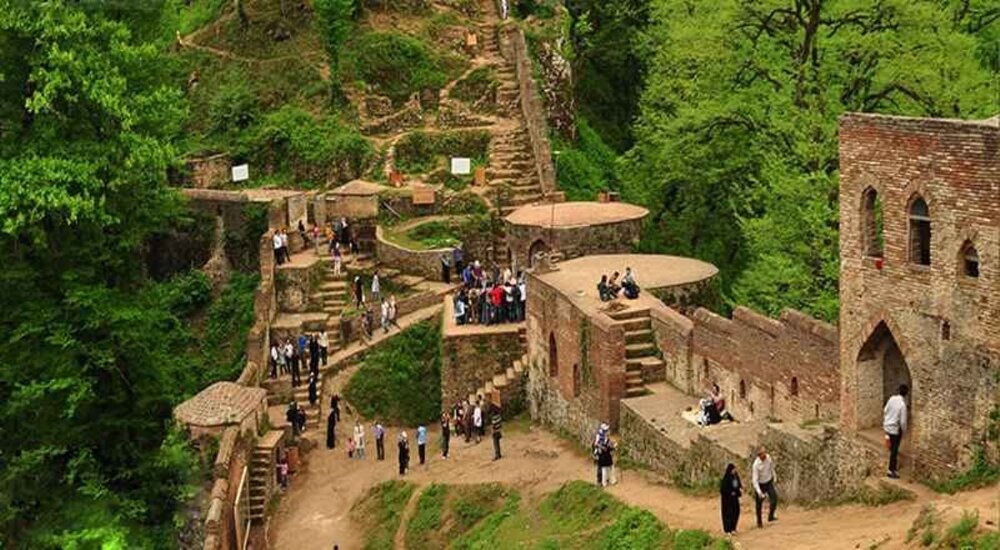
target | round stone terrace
[
  {"x": 578, "y": 278},
  {"x": 576, "y": 214}
]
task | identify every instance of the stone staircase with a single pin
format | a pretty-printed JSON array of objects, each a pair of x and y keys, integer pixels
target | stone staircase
[
  {"x": 301, "y": 396},
  {"x": 504, "y": 386},
  {"x": 642, "y": 361},
  {"x": 262, "y": 474}
]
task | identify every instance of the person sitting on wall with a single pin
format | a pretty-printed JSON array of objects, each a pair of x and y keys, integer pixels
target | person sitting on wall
[
  {"x": 613, "y": 287},
  {"x": 629, "y": 286},
  {"x": 713, "y": 408},
  {"x": 603, "y": 290}
]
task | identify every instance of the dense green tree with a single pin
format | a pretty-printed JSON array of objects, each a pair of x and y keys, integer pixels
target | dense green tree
[
  {"x": 736, "y": 150},
  {"x": 88, "y": 366},
  {"x": 334, "y": 20}
]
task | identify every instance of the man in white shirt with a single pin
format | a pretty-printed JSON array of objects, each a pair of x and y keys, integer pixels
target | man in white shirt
[
  {"x": 894, "y": 425},
  {"x": 324, "y": 346},
  {"x": 764, "y": 477},
  {"x": 277, "y": 243}
]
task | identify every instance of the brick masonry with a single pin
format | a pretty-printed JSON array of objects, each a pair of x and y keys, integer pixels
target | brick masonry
[
  {"x": 575, "y": 241},
  {"x": 931, "y": 324},
  {"x": 471, "y": 357}
]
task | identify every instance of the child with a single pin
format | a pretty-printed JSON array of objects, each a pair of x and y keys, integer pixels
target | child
[
  {"x": 350, "y": 448},
  {"x": 283, "y": 472}
]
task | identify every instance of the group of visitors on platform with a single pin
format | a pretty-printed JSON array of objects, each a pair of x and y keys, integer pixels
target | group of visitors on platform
[
  {"x": 338, "y": 235},
  {"x": 490, "y": 300},
  {"x": 611, "y": 288},
  {"x": 372, "y": 305},
  {"x": 290, "y": 355}
]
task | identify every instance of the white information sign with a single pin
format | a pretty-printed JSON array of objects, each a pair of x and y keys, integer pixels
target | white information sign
[
  {"x": 461, "y": 166},
  {"x": 241, "y": 172}
]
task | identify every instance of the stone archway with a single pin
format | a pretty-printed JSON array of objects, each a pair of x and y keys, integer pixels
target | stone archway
[
  {"x": 881, "y": 368},
  {"x": 537, "y": 247}
]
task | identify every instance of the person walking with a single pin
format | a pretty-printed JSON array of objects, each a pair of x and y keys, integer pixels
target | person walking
[
  {"x": 331, "y": 430},
  {"x": 335, "y": 405},
  {"x": 274, "y": 361},
  {"x": 359, "y": 440},
  {"x": 446, "y": 268},
  {"x": 497, "y": 424},
  {"x": 404, "y": 453},
  {"x": 292, "y": 416},
  {"x": 606, "y": 462},
  {"x": 313, "y": 390},
  {"x": 324, "y": 346},
  {"x": 467, "y": 417},
  {"x": 314, "y": 355},
  {"x": 379, "y": 432},
  {"x": 477, "y": 421},
  {"x": 600, "y": 440},
  {"x": 289, "y": 351},
  {"x": 894, "y": 424},
  {"x": 284, "y": 245},
  {"x": 385, "y": 316},
  {"x": 296, "y": 372},
  {"x": 730, "y": 491},
  {"x": 422, "y": 443},
  {"x": 376, "y": 288},
  {"x": 445, "y": 434},
  {"x": 764, "y": 478},
  {"x": 338, "y": 259},
  {"x": 359, "y": 292},
  {"x": 393, "y": 311}
]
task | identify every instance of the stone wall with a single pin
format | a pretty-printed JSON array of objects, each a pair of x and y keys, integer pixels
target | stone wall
[
  {"x": 515, "y": 49},
  {"x": 586, "y": 382},
  {"x": 352, "y": 207},
  {"x": 472, "y": 355},
  {"x": 426, "y": 263},
  {"x": 931, "y": 324},
  {"x": 574, "y": 242},
  {"x": 296, "y": 284},
  {"x": 210, "y": 172},
  {"x": 783, "y": 369}
]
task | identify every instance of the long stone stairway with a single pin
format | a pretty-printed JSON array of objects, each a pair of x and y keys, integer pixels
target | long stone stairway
[
  {"x": 262, "y": 473},
  {"x": 502, "y": 386},
  {"x": 641, "y": 354}
]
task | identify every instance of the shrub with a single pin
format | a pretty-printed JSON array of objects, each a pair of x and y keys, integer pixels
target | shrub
[
  {"x": 234, "y": 107},
  {"x": 475, "y": 85},
  {"x": 401, "y": 381},
  {"x": 294, "y": 143},
  {"x": 634, "y": 528},
  {"x": 396, "y": 65},
  {"x": 981, "y": 473},
  {"x": 436, "y": 234},
  {"x": 587, "y": 166},
  {"x": 421, "y": 152},
  {"x": 380, "y": 510},
  {"x": 427, "y": 517}
]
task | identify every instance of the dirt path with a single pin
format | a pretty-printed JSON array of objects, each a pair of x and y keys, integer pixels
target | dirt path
[{"x": 315, "y": 513}]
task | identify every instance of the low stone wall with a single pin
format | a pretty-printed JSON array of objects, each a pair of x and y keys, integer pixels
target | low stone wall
[
  {"x": 295, "y": 286},
  {"x": 547, "y": 405},
  {"x": 473, "y": 355},
  {"x": 426, "y": 263},
  {"x": 574, "y": 242},
  {"x": 209, "y": 172}
]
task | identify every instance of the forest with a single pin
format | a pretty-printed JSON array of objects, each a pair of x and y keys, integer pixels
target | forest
[{"x": 720, "y": 116}]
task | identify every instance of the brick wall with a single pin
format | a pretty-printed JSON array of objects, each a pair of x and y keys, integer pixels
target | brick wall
[
  {"x": 787, "y": 368},
  {"x": 592, "y": 344},
  {"x": 945, "y": 325},
  {"x": 573, "y": 242}
]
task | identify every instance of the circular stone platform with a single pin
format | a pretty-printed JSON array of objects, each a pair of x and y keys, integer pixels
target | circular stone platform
[
  {"x": 579, "y": 277},
  {"x": 576, "y": 214}
]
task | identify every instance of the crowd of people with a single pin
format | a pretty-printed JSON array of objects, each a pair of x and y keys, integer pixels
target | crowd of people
[
  {"x": 337, "y": 234},
  {"x": 291, "y": 355},
  {"x": 490, "y": 298},
  {"x": 611, "y": 288}
]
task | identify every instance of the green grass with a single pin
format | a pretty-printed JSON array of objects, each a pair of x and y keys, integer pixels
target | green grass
[
  {"x": 983, "y": 472},
  {"x": 475, "y": 85},
  {"x": 964, "y": 533},
  {"x": 400, "y": 382},
  {"x": 865, "y": 495},
  {"x": 380, "y": 511},
  {"x": 422, "y": 152},
  {"x": 426, "y": 520}
]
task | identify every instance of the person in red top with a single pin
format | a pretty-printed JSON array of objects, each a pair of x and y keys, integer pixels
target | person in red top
[{"x": 496, "y": 300}]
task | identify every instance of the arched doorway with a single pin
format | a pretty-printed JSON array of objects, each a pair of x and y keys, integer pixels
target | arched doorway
[
  {"x": 536, "y": 248},
  {"x": 881, "y": 370},
  {"x": 553, "y": 356}
]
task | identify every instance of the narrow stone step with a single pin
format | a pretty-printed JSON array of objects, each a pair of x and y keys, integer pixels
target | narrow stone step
[
  {"x": 640, "y": 335},
  {"x": 500, "y": 381},
  {"x": 639, "y": 350},
  {"x": 629, "y": 314},
  {"x": 635, "y": 391}
]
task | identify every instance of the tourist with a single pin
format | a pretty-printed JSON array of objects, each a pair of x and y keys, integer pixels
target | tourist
[
  {"x": 421, "y": 443},
  {"x": 337, "y": 259},
  {"x": 335, "y": 405},
  {"x": 289, "y": 350},
  {"x": 613, "y": 286},
  {"x": 379, "y": 433},
  {"x": 730, "y": 490},
  {"x": 314, "y": 355},
  {"x": 393, "y": 311},
  {"x": 458, "y": 256},
  {"x": 484, "y": 306},
  {"x": 344, "y": 232},
  {"x": 764, "y": 478},
  {"x": 522, "y": 291},
  {"x": 376, "y": 288},
  {"x": 713, "y": 408},
  {"x": 296, "y": 375},
  {"x": 601, "y": 439},
  {"x": 629, "y": 286},
  {"x": 510, "y": 302},
  {"x": 292, "y": 416},
  {"x": 497, "y": 424},
  {"x": 459, "y": 310},
  {"x": 404, "y": 453},
  {"x": 331, "y": 430},
  {"x": 456, "y": 415},
  {"x": 284, "y": 245},
  {"x": 282, "y": 362},
  {"x": 301, "y": 417},
  {"x": 477, "y": 421},
  {"x": 274, "y": 361},
  {"x": 283, "y": 472},
  {"x": 445, "y": 268},
  {"x": 496, "y": 302},
  {"x": 369, "y": 323},
  {"x": 324, "y": 346},
  {"x": 279, "y": 258},
  {"x": 894, "y": 425},
  {"x": 313, "y": 380},
  {"x": 316, "y": 234},
  {"x": 467, "y": 417},
  {"x": 385, "y": 316},
  {"x": 350, "y": 447},
  {"x": 604, "y": 290},
  {"x": 359, "y": 440},
  {"x": 606, "y": 462},
  {"x": 359, "y": 292},
  {"x": 445, "y": 434}
]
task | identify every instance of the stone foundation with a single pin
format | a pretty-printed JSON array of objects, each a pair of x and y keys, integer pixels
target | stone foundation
[{"x": 472, "y": 355}]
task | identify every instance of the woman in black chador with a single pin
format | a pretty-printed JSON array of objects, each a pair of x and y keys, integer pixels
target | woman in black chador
[
  {"x": 730, "y": 489},
  {"x": 331, "y": 430}
]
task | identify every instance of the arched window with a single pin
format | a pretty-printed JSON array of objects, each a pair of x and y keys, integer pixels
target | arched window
[
  {"x": 743, "y": 390},
  {"x": 920, "y": 232},
  {"x": 794, "y": 386},
  {"x": 576, "y": 380},
  {"x": 871, "y": 220},
  {"x": 553, "y": 356},
  {"x": 970, "y": 260}
]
